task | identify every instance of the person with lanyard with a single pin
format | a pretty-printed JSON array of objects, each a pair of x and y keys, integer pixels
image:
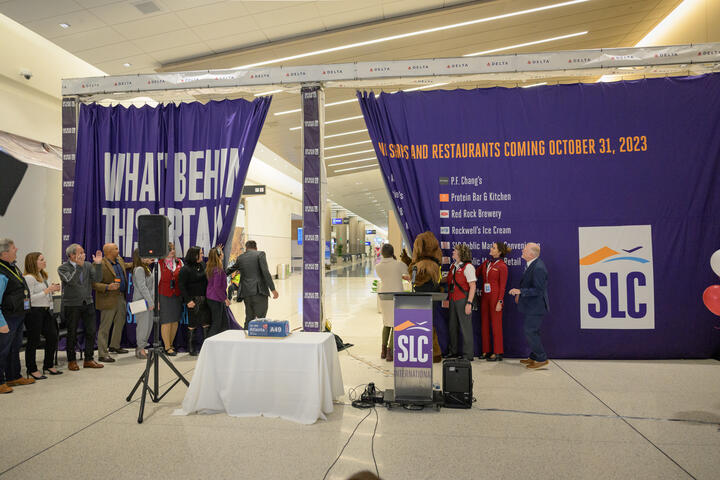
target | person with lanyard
[
  {"x": 39, "y": 319},
  {"x": 494, "y": 275},
  {"x": 461, "y": 289},
  {"x": 170, "y": 301},
  {"x": 14, "y": 305},
  {"x": 193, "y": 288}
]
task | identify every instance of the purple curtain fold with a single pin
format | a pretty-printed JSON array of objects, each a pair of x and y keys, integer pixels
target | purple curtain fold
[
  {"x": 617, "y": 181},
  {"x": 185, "y": 161}
]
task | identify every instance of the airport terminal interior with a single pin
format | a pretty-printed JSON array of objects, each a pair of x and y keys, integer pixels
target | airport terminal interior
[{"x": 576, "y": 418}]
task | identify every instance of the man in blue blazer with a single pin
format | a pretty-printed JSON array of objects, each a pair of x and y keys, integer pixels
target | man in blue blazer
[{"x": 532, "y": 300}]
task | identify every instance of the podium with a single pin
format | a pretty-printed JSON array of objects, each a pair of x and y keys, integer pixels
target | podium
[{"x": 413, "y": 349}]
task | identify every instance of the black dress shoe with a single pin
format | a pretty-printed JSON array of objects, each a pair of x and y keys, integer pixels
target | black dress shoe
[
  {"x": 491, "y": 358},
  {"x": 41, "y": 377},
  {"x": 106, "y": 359},
  {"x": 499, "y": 357},
  {"x": 56, "y": 372},
  {"x": 118, "y": 350}
]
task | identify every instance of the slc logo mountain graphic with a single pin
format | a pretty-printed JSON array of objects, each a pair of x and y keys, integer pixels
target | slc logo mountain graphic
[{"x": 607, "y": 254}]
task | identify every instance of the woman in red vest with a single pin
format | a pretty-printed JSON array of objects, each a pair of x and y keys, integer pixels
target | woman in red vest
[
  {"x": 494, "y": 275},
  {"x": 461, "y": 290},
  {"x": 170, "y": 301}
]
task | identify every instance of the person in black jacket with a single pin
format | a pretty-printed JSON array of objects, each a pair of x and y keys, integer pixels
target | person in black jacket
[
  {"x": 256, "y": 283},
  {"x": 192, "y": 282}
]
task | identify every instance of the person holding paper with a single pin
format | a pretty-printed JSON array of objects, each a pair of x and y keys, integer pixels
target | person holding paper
[
  {"x": 144, "y": 290},
  {"x": 39, "y": 319},
  {"x": 494, "y": 274}
]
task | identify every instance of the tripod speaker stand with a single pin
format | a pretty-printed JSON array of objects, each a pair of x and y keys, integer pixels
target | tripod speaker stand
[{"x": 152, "y": 242}]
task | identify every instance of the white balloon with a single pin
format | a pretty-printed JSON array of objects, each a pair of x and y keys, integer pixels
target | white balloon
[{"x": 715, "y": 262}]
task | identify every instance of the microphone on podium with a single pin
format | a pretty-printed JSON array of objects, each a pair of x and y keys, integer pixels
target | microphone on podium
[{"x": 412, "y": 280}]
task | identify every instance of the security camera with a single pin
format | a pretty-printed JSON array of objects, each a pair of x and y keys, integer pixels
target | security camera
[{"x": 27, "y": 74}]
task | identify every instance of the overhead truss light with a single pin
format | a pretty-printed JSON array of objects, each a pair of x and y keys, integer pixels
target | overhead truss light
[
  {"x": 351, "y": 161},
  {"x": 527, "y": 44},
  {"x": 348, "y": 154},
  {"x": 355, "y": 168},
  {"x": 534, "y": 85},
  {"x": 345, "y": 133}
]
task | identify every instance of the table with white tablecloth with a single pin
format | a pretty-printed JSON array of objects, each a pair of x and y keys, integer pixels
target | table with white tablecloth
[{"x": 295, "y": 378}]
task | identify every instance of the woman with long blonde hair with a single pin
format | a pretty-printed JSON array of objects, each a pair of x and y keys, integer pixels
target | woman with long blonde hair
[
  {"x": 216, "y": 291},
  {"x": 39, "y": 319}
]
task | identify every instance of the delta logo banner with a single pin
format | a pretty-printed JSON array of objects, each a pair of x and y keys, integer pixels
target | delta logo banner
[{"x": 617, "y": 182}]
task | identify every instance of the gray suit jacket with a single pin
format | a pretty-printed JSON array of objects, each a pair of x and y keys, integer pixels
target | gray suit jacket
[
  {"x": 76, "y": 283},
  {"x": 255, "y": 278}
]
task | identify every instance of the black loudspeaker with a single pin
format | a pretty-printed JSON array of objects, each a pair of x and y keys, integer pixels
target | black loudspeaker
[
  {"x": 13, "y": 171},
  {"x": 457, "y": 383},
  {"x": 153, "y": 232}
]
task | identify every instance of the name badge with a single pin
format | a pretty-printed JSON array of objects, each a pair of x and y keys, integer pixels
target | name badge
[
  {"x": 117, "y": 280},
  {"x": 487, "y": 288},
  {"x": 26, "y": 304}
]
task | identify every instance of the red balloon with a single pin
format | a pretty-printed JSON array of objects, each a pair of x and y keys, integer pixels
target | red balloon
[{"x": 711, "y": 298}]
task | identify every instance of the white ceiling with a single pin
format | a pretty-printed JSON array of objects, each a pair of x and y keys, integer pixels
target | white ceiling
[{"x": 205, "y": 34}]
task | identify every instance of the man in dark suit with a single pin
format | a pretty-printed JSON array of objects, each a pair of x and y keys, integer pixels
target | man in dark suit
[
  {"x": 256, "y": 283},
  {"x": 532, "y": 300}
]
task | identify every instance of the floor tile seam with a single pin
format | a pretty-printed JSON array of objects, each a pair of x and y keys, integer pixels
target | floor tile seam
[
  {"x": 86, "y": 427},
  {"x": 630, "y": 425}
]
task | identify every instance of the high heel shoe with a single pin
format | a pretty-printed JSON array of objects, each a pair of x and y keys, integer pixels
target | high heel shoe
[
  {"x": 56, "y": 372},
  {"x": 41, "y": 377}
]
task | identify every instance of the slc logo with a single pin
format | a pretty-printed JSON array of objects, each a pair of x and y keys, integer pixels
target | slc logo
[{"x": 616, "y": 277}]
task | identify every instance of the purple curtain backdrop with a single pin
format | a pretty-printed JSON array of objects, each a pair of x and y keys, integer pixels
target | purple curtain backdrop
[{"x": 667, "y": 181}]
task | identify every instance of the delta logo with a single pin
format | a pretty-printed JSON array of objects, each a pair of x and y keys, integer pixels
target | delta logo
[
  {"x": 333, "y": 72},
  {"x": 580, "y": 60},
  {"x": 90, "y": 85},
  {"x": 259, "y": 75},
  {"x": 123, "y": 84},
  {"x": 300, "y": 73},
  {"x": 498, "y": 63},
  {"x": 419, "y": 67},
  {"x": 444, "y": 230},
  {"x": 539, "y": 61},
  {"x": 458, "y": 65},
  {"x": 666, "y": 54},
  {"x": 624, "y": 57},
  {"x": 379, "y": 69},
  {"x": 616, "y": 277},
  {"x": 708, "y": 52},
  {"x": 156, "y": 81},
  {"x": 444, "y": 213},
  {"x": 444, "y": 197}
]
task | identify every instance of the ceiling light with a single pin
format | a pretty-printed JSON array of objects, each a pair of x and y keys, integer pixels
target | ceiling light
[
  {"x": 65, "y": 25},
  {"x": 345, "y": 133},
  {"x": 355, "y": 168},
  {"x": 126, "y": 64},
  {"x": 413, "y": 34},
  {"x": 347, "y": 145},
  {"x": 348, "y": 154},
  {"x": 270, "y": 92},
  {"x": 536, "y": 42},
  {"x": 295, "y": 110},
  {"x": 332, "y": 121},
  {"x": 425, "y": 86},
  {"x": 534, "y": 85}
]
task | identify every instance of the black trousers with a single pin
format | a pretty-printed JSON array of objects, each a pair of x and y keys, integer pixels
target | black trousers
[
  {"x": 256, "y": 306},
  {"x": 218, "y": 318},
  {"x": 40, "y": 320},
  {"x": 84, "y": 314}
]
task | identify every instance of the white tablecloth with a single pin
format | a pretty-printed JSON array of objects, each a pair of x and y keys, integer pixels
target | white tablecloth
[{"x": 295, "y": 378}]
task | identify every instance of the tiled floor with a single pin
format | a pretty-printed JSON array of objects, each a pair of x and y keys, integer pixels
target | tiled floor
[{"x": 578, "y": 419}]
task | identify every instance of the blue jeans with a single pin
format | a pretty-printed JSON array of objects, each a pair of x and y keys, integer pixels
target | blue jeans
[
  {"x": 10, "y": 345},
  {"x": 532, "y": 334}
]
